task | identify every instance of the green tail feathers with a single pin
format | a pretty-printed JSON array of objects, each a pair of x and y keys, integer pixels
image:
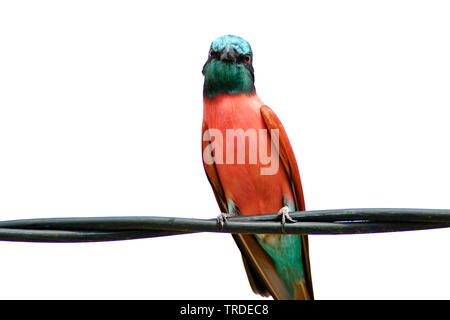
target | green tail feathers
[{"x": 286, "y": 252}]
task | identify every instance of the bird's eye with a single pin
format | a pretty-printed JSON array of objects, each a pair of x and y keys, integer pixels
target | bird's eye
[
  {"x": 247, "y": 58},
  {"x": 211, "y": 53}
]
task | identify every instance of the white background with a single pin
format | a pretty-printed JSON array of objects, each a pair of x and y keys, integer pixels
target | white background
[{"x": 100, "y": 115}]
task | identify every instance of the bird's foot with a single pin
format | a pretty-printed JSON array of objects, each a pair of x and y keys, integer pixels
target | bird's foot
[
  {"x": 222, "y": 218},
  {"x": 284, "y": 213}
]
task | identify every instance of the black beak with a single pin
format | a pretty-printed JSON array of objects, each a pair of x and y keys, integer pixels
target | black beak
[{"x": 228, "y": 54}]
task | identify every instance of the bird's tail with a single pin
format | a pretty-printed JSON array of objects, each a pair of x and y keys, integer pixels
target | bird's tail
[{"x": 264, "y": 276}]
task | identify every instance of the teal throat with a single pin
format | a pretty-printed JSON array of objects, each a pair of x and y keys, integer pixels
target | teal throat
[{"x": 222, "y": 77}]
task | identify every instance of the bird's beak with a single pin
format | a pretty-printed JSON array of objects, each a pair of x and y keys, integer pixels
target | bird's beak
[{"x": 228, "y": 54}]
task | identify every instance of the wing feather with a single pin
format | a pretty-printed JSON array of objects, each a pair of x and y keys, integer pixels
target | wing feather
[{"x": 287, "y": 157}]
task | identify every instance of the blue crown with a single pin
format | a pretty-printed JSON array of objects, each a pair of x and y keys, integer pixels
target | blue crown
[{"x": 241, "y": 45}]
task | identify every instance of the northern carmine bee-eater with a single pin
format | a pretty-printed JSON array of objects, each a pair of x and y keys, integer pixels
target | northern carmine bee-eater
[{"x": 252, "y": 169}]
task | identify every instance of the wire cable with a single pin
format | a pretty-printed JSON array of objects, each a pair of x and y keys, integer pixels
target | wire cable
[{"x": 338, "y": 221}]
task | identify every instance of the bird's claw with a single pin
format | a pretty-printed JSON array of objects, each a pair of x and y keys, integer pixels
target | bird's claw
[
  {"x": 284, "y": 213},
  {"x": 222, "y": 218}
]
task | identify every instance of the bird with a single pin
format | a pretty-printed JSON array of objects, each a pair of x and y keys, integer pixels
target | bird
[{"x": 245, "y": 179}]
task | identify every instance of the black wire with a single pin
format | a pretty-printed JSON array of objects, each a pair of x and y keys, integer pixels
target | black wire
[{"x": 340, "y": 221}]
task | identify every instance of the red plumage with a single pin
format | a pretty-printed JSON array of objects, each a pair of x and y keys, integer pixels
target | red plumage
[{"x": 251, "y": 191}]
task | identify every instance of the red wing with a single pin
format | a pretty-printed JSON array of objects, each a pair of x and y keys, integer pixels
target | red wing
[
  {"x": 286, "y": 155},
  {"x": 290, "y": 165},
  {"x": 211, "y": 171}
]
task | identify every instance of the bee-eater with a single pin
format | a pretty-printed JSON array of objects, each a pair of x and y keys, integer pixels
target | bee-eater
[{"x": 244, "y": 178}]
